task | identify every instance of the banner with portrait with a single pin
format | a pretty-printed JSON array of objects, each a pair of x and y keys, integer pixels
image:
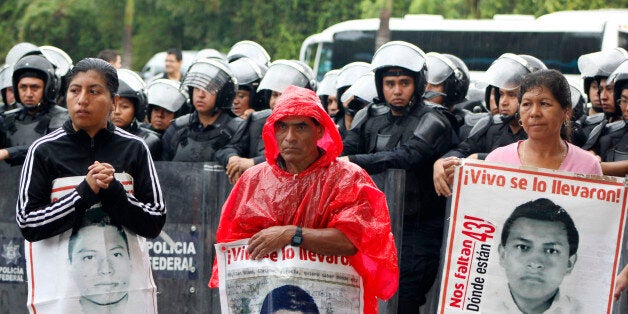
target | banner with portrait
[
  {"x": 292, "y": 279},
  {"x": 533, "y": 240},
  {"x": 95, "y": 267}
]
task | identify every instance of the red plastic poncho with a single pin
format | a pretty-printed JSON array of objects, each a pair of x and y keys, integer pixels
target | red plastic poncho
[{"x": 328, "y": 194}]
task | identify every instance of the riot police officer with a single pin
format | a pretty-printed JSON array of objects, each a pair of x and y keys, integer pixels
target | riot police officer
[
  {"x": 249, "y": 75},
  {"x": 610, "y": 140},
  {"x": 347, "y": 76},
  {"x": 447, "y": 82},
  {"x": 401, "y": 131},
  {"x": 595, "y": 68},
  {"x": 327, "y": 94},
  {"x": 198, "y": 135},
  {"x": 130, "y": 109},
  {"x": 247, "y": 148},
  {"x": 6, "y": 89},
  {"x": 37, "y": 89},
  {"x": 165, "y": 99}
]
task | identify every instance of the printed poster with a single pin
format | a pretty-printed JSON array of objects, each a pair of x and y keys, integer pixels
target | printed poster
[
  {"x": 98, "y": 267},
  {"x": 291, "y": 279},
  {"x": 530, "y": 240}
]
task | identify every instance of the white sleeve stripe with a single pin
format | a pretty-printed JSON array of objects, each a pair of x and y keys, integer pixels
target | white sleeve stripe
[
  {"x": 158, "y": 201},
  {"x": 49, "y": 217}
]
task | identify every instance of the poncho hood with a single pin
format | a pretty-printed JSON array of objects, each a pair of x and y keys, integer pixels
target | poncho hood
[{"x": 297, "y": 101}]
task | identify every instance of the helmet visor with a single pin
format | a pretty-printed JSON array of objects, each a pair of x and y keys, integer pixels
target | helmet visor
[
  {"x": 363, "y": 88},
  {"x": 206, "y": 76},
  {"x": 350, "y": 73},
  {"x": 398, "y": 54},
  {"x": 438, "y": 70},
  {"x": 166, "y": 94},
  {"x": 281, "y": 75},
  {"x": 601, "y": 63},
  {"x": 328, "y": 84},
  {"x": 506, "y": 73}
]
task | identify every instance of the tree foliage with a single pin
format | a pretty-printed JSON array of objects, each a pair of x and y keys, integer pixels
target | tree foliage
[{"x": 84, "y": 27}]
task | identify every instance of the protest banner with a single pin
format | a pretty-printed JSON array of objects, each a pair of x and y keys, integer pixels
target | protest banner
[
  {"x": 522, "y": 238},
  {"x": 93, "y": 268},
  {"x": 291, "y": 275}
]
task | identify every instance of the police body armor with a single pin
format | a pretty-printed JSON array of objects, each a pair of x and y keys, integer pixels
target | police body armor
[
  {"x": 193, "y": 145},
  {"x": 584, "y": 126},
  {"x": 23, "y": 129},
  {"x": 151, "y": 138},
  {"x": 609, "y": 141},
  {"x": 490, "y": 133},
  {"x": 383, "y": 132},
  {"x": 257, "y": 121}
]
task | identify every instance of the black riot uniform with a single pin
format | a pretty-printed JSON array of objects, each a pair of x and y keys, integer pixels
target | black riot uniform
[
  {"x": 411, "y": 139},
  {"x": 187, "y": 139},
  {"x": 453, "y": 74},
  {"x": 133, "y": 88},
  {"x": 24, "y": 125},
  {"x": 610, "y": 140},
  {"x": 248, "y": 142},
  {"x": 596, "y": 66}
]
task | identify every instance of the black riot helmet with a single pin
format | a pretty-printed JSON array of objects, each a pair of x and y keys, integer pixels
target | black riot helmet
[
  {"x": 363, "y": 92},
  {"x": 166, "y": 94},
  {"x": 249, "y": 49},
  {"x": 507, "y": 72},
  {"x": 133, "y": 88},
  {"x": 577, "y": 103},
  {"x": 214, "y": 76},
  {"x": 619, "y": 77},
  {"x": 408, "y": 57},
  {"x": 363, "y": 88},
  {"x": 249, "y": 75},
  {"x": 450, "y": 71},
  {"x": 281, "y": 74},
  {"x": 327, "y": 87},
  {"x": 348, "y": 75},
  {"x": 37, "y": 66},
  {"x": 6, "y": 73},
  {"x": 598, "y": 65},
  {"x": 21, "y": 50}
]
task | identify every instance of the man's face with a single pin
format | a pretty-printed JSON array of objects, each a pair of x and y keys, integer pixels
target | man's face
[
  {"x": 536, "y": 258},
  {"x": 172, "y": 64},
  {"x": 31, "y": 90},
  {"x": 508, "y": 101},
  {"x": 606, "y": 96},
  {"x": 101, "y": 265},
  {"x": 9, "y": 95},
  {"x": 594, "y": 96},
  {"x": 273, "y": 98},
  {"x": 89, "y": 102},
  {"x": 623, "y": 102},
  {"x": 124, "y": 113},
  {"x": 332, "y": 105},
  {"x": 440, "y": 88},
  {"x": 296, "y": 138},
  {"x": 398, "y": 90},
  {"x": 241, "y": 102},
  {"x": 160, "y": 118},
  {"x": 203, "y": 100}
]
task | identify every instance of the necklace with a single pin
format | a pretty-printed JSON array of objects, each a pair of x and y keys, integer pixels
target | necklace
[{"x": 564, "y": 148}]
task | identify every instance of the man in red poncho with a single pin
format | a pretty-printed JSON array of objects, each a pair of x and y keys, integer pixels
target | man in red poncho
[{"x": 304, "y": 196}]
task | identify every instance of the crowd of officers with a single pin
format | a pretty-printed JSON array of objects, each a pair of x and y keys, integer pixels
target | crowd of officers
[{"x": 406, "y": 109}]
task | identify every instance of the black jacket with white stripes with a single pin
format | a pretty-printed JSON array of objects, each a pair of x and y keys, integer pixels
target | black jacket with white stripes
[{"x": 67, "y": 153}]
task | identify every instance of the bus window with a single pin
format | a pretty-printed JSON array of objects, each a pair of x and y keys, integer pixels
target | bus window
[
  {"x": 622, "y": 40},
  {"x": 478, "y": 49},
  {"x": 325, "y": 61},
  {"x": 310, "y": 54}
]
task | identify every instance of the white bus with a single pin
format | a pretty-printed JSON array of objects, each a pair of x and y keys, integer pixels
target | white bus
[{"x": 558, "y": 38}]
